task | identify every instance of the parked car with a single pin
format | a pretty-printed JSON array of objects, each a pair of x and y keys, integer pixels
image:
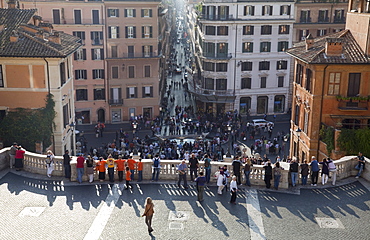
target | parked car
[{"x": 261, "y": 123}]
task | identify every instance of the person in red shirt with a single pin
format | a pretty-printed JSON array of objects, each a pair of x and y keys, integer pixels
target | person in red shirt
[
  {"x": 128, "y": 178},
  {"x": 19, "y": 156},
  {"x": 140, "y": 170},
  {"x": 100, "y": 166},
  {"x": 120, "y": 167},
  {"x": 131, "y": 164},
  {"x": 80, "y": 168}
]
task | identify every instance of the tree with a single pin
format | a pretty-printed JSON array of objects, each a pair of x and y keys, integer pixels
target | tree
[
  {"x": 354, "y": 140},
  {"x": 28, "y": 126}
]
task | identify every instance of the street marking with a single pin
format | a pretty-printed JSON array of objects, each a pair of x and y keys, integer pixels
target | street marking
[
  {"x": 31, "y": 211},
  {"x": 329, "y": 222},
  {"x": 256, "y": 228},
  {"x": 178, "y": 216},
  {"x": 103, "y": 215}
]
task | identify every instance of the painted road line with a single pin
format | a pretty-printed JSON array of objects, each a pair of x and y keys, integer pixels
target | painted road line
[
  {"x": 256, "y": 228},
  {"x": 103, "y": 215}
]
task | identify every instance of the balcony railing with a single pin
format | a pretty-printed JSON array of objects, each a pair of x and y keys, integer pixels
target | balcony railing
[
  {"x": 353, "y": 105},
  {"x": 139, "y": 55},
  {"x": 340, "y": 20},
  {"x": 204, "y": 91},
  {"x": 323, "y": 20},
  {"x": 115, "y": 101},
  {"x": 305, "y": 20},
  {"x": 217, "y": 17},
  {"x": 217, "y": 55}
]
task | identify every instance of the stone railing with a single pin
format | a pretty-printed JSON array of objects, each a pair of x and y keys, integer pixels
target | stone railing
[{"x": 35, "y": 163}]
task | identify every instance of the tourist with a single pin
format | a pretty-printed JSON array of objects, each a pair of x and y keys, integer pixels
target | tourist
[
  {"x": 236, "y": 169},
  {"x": 19, "y": 156},
  {"x": 277, "y": 175},
  {"x": 360, "y": 165},
  {"x": 332, "y": 170},
  {"x": 100, "y": 166},
  {"x": 304, "y": 172},
  {"x": 148, "y": 213},
  {"x": 110, "y": 165},
  {"x": 120, "y": 167},
  {"x": 131, "y": 164},
  {"x": 207, "y": 167},
  {"x": 324, "y": 171},
  {"x": 182, "y": 169},
  {"x": 314, "y": 171},
  {"x": 233, "y": 189},
  {"x": 194, "y": 164},
  {"x": 80, "y": 167},
  {"x": 13, "y": 150},
  {"x": 221, "y": 181},
  {"x": 201, "y": 180},
  {"x": 90, "y": 168},
  {"x": 67, "y": 164},
  {"x": 293, "y": 168},
  {"x": 49, "y": 162},
  {"x": 140, "y": 170},
  {"x": 268, "y": 174},
  {"x": 128, "y": 178},
  {"x": 156, "y": 167},
  {"x": 247, "y": 171}
]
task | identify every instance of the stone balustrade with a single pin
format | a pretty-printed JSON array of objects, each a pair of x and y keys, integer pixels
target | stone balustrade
[{"x": 35, "y": 163}]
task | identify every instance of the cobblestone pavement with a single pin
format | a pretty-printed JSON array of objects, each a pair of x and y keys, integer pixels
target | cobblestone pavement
[{"x": 52, "y": 209}]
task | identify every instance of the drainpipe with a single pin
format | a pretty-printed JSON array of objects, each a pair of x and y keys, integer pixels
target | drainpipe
[
  {"x": 48, "y": 74},
  {"x": 322, "y": 104},
  {"x": 235, "y": 63}
]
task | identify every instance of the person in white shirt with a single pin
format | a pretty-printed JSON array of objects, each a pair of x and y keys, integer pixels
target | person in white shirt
[{"x": 233, "y": 189}]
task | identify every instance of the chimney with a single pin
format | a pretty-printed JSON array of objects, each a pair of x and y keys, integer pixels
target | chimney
[
  {"x": 40, "y": 34},
  {"x": 14, "y": 36},
  {"x": 36, "y": 20},
  {"x": 48, "y": 27},
  {"x": 333, "y": 47},
  {"x": 309, "y": 41},
  {"x": 55, "y": 37},
  {"x": 11, "y": 4}
]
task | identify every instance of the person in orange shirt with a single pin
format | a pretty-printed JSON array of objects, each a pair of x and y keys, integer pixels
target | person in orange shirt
[
  {"x": 128, "y": 178},
  {"x": 120, "y": 167},
  {"x": 140, "y": 170},
  {"x": 131, "y": 164},
  {"x": 100, "y": 166}
]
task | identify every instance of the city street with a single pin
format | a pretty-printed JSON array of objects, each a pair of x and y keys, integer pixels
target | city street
[{"x": 51, "y": 209}]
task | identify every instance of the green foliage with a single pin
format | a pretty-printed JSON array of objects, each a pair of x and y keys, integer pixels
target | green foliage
[
  {"x": 327, "y": 136},
  {"x": 28, "y": 126},
  {"x": 355, "y": 140}
]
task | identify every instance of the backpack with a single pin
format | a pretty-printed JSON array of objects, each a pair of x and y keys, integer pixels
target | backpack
[{"x": 156, "y": 162}]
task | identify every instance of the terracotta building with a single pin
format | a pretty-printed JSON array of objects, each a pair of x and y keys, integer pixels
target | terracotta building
[
  {"x": 36, "y": 60},
  {"x": 331, "y": 86}
]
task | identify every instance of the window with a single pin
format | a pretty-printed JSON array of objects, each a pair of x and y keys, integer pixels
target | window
[
  {"x": 95, "y": 16},
  {"x": 210, "y": 30},
  {"x": 130, "y": 12},
  {"x": 80, "y": 54},
  {"x": 1, "y": 76},
  {"x": 209, "y": 49},
  {"x": 115, "y": 95},
  {"x": 323, "y": 16},
  {"x": 222, "y": 30},
  {"x": 96, "y": 37},
  {"x": 99, "y": 94},
  {"x": 147, "y": 92},
  {"x": 245, "y": 105},
  {"x": 285, "y": 10},
  {"x": 113, "y": 32},
  {"x": 62, "y": 72},
  {"x": 279, "y": 103},
  {"x": 80, "y": 35},
  {"x": 266, "y": 10},
  {"x": 65, "y": 115},
  {"x": 130, "y": 32},
  {"x": 115, "y": 72},
  {"x": 308, "y": 79},
  {"x": 146, "y": 12},
  {"x": 248, "y": 30},
  {"x": 247, "y": 47},
  {"x": 281, "y": 65},
  {"x": 334, "y": 84},
  {"x": 56, "y": 16},
  {"x": 81, "y": 94},
  {"x": 223, "y": 12},
  {"x": 247, "y": 66},
  {"x": 147, "y": 51},
  {"x": 284, "y": 29},
  {"x": 131, "y": 92},
  {"x": 113, "y": 50},
  {"x": 77, "y": 16},
  {"x": 222, "y": 50},
  {"x": 305, "y": 124},
  {"x": 221, "y": 84},
  {"x": 113, "y": 12},
  {"x": 305, "y": 16},
  {"x": 208, "y": 66},
  {"x": 303, "y": 34},
  {"x": 131, "y": 51},
  {"x": 262, "y": 103},
  {"x": 147, "y": 71},
  {"x": 299, "y": 74},
  {"x": 354, "y": 84},
  {"x": 283, "y": 46},
  {"x": 97, "y": 54},
  {"x": 280, "y": 81},
  {"x": 296, "y": 114},
  {"x": 98, "y": 73},
  {"x": 321, "y": 32},
  {"x": 80, "y": 74},
  {"x": 265, "y": 47},
  {"x": 263, "y": 82},
  {"x": 209, "y": 83},
  {"x": 246, "y": 83},
  {"x": 221, "y": 67},
  {"x": 339, "y": 16},
  {"x": 249, "y": 10},
  {"x": 264, "y": 65},
  {"x": 266, "y": 29},
  {"x": 131, "y": 72},
  {"x": 147, "y": 31}
]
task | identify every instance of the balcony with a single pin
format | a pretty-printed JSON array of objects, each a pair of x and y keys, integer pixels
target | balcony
[
  {"x": 115, "y": 101},
  {"x": 323, "y": 20},
  {"x": 340, "y": 20},
  {"x": 305, "y": 20},
  {"x": 217, "y": 55},
  {"x": 218, "y": 96},
  {"x": 139, "y": 55},
  {"x": 353, "y": 104},
  {"x": 217, "y": 17}
]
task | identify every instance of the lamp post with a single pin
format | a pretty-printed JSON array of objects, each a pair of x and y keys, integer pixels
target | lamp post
[
  {"x": 72, "y": 127},
  {"x": 298, "y": 132}
]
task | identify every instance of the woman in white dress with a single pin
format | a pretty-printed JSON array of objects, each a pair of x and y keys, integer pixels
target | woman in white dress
[
  {"x": 49, "y": 162},
  {"x": 221, "y": 181}
]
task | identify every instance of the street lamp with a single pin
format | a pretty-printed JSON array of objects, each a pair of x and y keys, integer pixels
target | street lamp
[
  {"x": 72, "y": 127},
  {"x": 298, "y": 132}
]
